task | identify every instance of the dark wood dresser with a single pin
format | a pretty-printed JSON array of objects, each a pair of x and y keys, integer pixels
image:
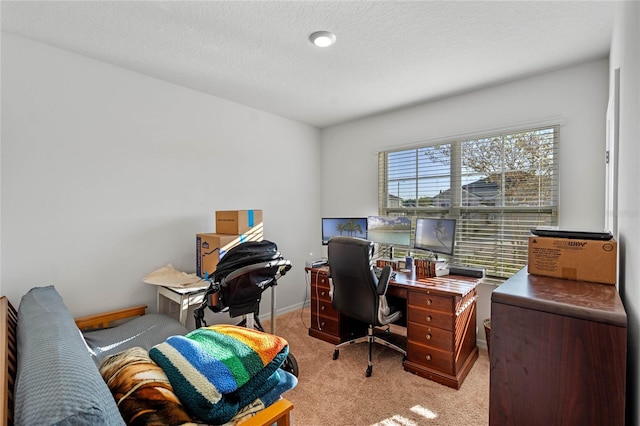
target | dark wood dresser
[{"x": 558, "y": 353}]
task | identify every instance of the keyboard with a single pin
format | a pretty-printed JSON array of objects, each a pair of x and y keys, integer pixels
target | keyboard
[{"x": 378, "y": 271}]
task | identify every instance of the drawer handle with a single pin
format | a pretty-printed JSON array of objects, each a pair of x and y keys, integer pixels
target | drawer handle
[
  {"x": 428, "y": 337},
  {"x": 429, "y": 302},
  {"x": 322, "y": 280},
  {"x": 322, "y": 294},
  {"x": 322, "y": 308},
  {"x": 428, "y": 357},
  {"x": 429, "y": 318},
  {"x": 322, "y": 324}
]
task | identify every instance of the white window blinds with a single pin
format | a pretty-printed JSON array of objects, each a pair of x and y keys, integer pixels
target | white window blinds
[{"x": 496, "y": 187}]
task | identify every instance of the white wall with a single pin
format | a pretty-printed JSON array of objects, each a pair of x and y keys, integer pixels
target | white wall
[
  {"x": 625, "y": 55},
  {"x": 108, "y": 174},
  {"x": 577, "y": 94}
]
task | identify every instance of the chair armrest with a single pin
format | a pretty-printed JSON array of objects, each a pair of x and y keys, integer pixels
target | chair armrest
[
  {"x": 104, "y": 320},
  {"x": 278, "y": 413},
  {"x": 383, "y": 281}
]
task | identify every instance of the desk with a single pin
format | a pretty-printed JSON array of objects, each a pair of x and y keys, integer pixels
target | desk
[
  {"x": 184, "y": 297},
  {"x": 441, "y": 322}
]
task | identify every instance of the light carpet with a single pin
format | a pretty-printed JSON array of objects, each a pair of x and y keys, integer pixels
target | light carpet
[{"x": 338, "y": 393}]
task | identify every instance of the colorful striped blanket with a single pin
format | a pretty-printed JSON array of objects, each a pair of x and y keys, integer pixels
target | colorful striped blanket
[{"x": 217, "y": 370}]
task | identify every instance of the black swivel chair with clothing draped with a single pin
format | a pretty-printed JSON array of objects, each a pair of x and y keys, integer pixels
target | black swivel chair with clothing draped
[{"x": 358, "y": 293}]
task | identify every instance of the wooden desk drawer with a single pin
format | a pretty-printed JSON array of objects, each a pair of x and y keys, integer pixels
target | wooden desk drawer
[
  {"x": 430, "y": 357},
  {"x": 430, "y": 336},
  {"x": 320, "y": 280},
  {"x": 326, "y": 325},
  {"x": 431, "y": 318},
  {"x": 431, "y": 301},
  {"x": 321, "y": 293},
  {"x": 323, "y": 307}
]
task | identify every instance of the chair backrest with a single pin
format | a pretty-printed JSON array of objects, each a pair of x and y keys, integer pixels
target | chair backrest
[{"x": 354, "y": 282}]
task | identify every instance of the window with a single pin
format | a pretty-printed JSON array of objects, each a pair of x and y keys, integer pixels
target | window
[{"x": 496, "y": 187}]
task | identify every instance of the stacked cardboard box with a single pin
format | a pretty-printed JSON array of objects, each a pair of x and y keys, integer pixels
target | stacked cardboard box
[
  {"x": 232, "y": 228},
  {"x": 239, "y": 222},
  {"x": 573, "y": 259}
]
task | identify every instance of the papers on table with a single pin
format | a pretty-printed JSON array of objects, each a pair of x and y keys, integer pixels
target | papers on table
[{"x": 170, "y": 277}]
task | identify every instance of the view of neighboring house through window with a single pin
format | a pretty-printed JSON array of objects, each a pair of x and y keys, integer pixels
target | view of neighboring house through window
[{"x": 496, "y": 187}]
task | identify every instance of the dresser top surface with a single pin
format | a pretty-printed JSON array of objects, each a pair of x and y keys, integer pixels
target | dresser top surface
[{"x": 578, "y": 299}]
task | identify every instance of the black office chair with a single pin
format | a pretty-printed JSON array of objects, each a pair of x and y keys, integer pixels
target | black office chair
[{"x": 358, "y": 293}]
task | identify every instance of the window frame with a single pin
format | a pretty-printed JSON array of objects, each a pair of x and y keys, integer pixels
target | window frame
[{"x": 531, "y": 216}]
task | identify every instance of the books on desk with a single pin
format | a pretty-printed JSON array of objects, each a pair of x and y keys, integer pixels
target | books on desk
[
  {"x": 381, "y": 263},
  {"x": 430, "y": 268}
]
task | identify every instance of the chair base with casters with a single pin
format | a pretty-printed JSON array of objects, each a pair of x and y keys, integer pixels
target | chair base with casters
[{"x": 371, "y": 338}]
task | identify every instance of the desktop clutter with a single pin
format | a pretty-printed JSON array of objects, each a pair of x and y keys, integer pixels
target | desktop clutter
[{"x": 424, "y": 268}]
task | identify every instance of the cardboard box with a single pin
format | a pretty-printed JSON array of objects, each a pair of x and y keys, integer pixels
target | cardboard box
[
  {"x": 211, "y": 248},
  {"x": 584, "y": 260},
  {"x": 237, "y": 222}
]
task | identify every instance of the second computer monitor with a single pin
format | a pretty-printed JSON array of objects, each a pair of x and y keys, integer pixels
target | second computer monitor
[
  {"x": 391, "y": 230},
  {"x": 435, "y": 235}
]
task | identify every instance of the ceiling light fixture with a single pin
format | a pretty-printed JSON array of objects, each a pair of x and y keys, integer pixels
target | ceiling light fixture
[{"x": 322, "y": 38}]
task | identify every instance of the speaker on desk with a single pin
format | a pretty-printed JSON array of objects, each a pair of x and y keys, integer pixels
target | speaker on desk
[{"x": 467, "y": 271}]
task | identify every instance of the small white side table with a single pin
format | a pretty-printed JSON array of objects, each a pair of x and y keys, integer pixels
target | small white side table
[{"x": 184, "y": 297}]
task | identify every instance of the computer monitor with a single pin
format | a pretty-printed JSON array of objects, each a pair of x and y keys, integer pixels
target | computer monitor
[
  {"x": 345, "y": 226},
  {"x": 392, "y": 230},
  {"x": 436, "y": 235}
]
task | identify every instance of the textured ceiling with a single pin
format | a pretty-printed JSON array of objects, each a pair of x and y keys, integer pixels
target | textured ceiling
[{"x": 388, "y": 54}]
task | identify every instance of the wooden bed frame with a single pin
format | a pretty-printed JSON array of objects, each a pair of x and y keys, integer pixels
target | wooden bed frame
[{"x": 278, "y": 413}]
